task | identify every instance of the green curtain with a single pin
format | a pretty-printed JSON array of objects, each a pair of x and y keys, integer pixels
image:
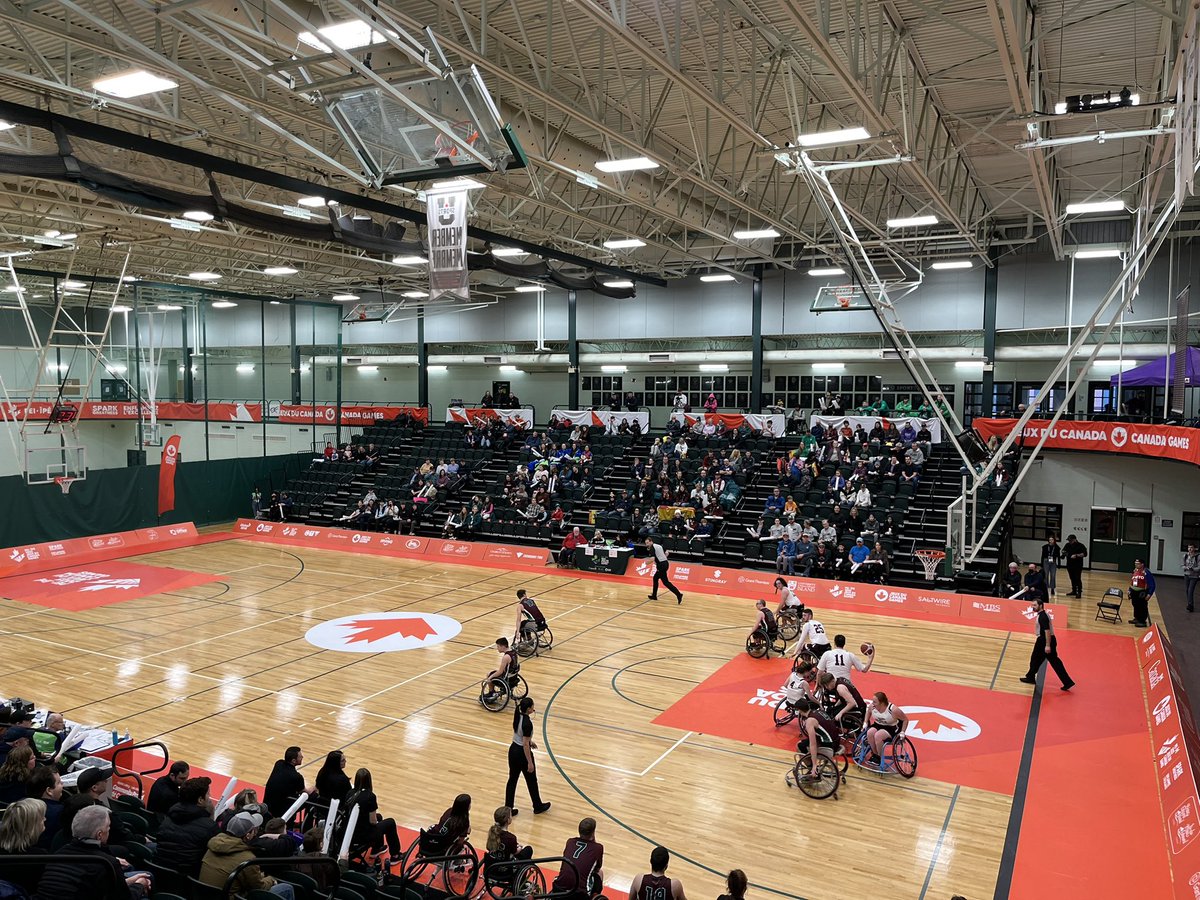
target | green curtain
[{"x": 111, "y": 500}]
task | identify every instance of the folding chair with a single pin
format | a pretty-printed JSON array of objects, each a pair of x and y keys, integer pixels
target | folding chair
[{"x": 1109, "y": 606}]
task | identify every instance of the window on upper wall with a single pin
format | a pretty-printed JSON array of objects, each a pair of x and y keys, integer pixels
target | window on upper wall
[
  {"x": 1033, "y": 521},
  {"x": 1189, "y": 530}
]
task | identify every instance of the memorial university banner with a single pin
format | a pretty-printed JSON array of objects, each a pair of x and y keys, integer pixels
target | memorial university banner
[{"x": 446, "y": 212}]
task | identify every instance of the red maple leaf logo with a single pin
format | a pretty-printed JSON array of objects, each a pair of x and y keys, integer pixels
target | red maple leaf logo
[
  {"x": 371, "y": 630},
  {"x": 932, "y": 722}
]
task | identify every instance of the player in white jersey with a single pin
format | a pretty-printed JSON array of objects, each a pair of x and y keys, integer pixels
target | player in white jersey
[
  {"x": 801, "y": 683},
  {"x": 812, "y": 636},
  {"x": 787, "y": 597},
  {"x": 885, "y": 721},
  {"x": 841, "y": 663}
]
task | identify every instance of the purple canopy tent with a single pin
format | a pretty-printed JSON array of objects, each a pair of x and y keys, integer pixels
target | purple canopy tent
[{"x": 1153, "y": 373}]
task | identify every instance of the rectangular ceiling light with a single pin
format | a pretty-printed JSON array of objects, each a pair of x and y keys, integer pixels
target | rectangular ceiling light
[
  {"x": 754, "y": 234},
  {"x": 311, "y": 202},
  {"x": 509, "y": 369},
  {"x": 624, "y": 244},
  {"x": 618, "y": 284},
  {"x": 529, "y": 289},
  {"x": 4, "y": 126},
  {"x": 508, "y": 251},
  {"x": 723, "y": 276},
  {"x": 614, "y": 369},
  {"x": 1103, "y": 253},
  {"x": 73, "y": 285},
  {"x": 829, "y": 367},
  {"x": 714, "y": 367},
  {"x": 279, "y": 270},
  {"x": 133, "y": 84},
  {"x": 467, "y": 184},
  {"x": 437, "y": 368},
  {"x": 969, "y": 364},
  {"x": 912, "y": 222},
  {"x": 1060, "y": 108},
  {"x": 245, "y": 368},
  {"x": 633, "y": 164},
  {"x": 1096, "y": 206},
  {"x": 824, "y": 273},
  {"x": 414, "y": 295},
  {"x": 345, "y": 298},
  {"x": 409, "y": 260},
  {"x": 368, "y": 370},
  {"x": 953, "y": 264},
  {"x": 223, "y": 304},
  {"x": 344, "y": 35},
  {"x": 829, "y": 138},
  {"x": 204, "y": 276}
]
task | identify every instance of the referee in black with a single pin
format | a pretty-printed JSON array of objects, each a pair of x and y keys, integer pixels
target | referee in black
[
  {"x": 661, "y": 567},
  {"x": 1045, "y": 648}
]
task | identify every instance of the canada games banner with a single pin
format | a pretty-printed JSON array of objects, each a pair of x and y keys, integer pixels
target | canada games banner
[
  {"x": 446, "y": 214},
  {"x": 166, "y": 474}
]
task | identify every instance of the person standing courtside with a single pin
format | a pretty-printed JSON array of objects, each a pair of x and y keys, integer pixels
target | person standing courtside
[
  {"x": 520, "y": 759},
  {"x": 1191, "y": 575},
  {"x": 1073, "y": 553},
  {"x": 1045, "y": 648},
  {"x": 1141, "y": 589},
  {"x": 661, "y": 570},
  {"x": 1051, "y": 557}
]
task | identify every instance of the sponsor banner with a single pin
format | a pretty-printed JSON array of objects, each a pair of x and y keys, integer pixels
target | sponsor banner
[
  {"x": 600, "y": 418},
  {"x": 446, "y": 215},
  {"x": 869, "y": 422},
  {"x": 351, "y": 415},
  {"x": 733, "y": 420},
  {"x": 167, "y": 468},
  {"x": 72, "y": 551},
  {"x": 99, "y": 584},
  {"x": 186, "y": 412},
  {"x": 522, "y": 417},
  {"x": 989, "y": 612},
  {"x": 1159, "y": 441},
  {"x": 1177, "y": 758}
]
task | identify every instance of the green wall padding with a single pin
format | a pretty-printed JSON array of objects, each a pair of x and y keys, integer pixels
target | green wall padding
[{"x": 111, "y": 500}]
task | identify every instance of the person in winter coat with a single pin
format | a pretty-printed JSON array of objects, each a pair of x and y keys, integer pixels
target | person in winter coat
[
  {"x": 188, "y": 827},
  {"x": 105, "y": 880},
  {"x": 228, "y": 850}
]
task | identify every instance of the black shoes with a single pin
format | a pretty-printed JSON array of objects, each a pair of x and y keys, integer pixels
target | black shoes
[
  {"x": 679, "y": 599},
  {"x": 514, "y": 811},
  {"x": 538, "y": 810},
  {"x": 651, "y": 597},
  {"x": 1067, "y": 686},
  {"x": 1028, "y": 680}
]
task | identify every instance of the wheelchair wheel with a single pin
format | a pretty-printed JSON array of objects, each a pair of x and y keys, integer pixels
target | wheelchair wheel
[
  {"x": 530, "y": 881},
  {"x": 494, "y": 697},
  {"x": 826, "y": 781},
  {"x": 520, "y": 690},
  {"x": 852, "y": 723},
  {"x": 545, "y": 639},
  {"x": 784, "y": 713},
  {"x": 527, "y": 646},
  {"x": 460, "y": 875},
  {"x": 903, "y": 756},
  {"x": 789, "y": 624},
  {"x": 757, "y": 645}
]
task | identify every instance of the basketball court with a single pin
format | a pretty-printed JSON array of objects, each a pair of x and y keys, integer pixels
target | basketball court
[{"x": 650, "y": 716}]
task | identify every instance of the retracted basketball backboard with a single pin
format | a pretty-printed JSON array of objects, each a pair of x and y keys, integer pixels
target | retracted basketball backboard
[
  {"x": 849, "y": 297},
  {"x": 428, "y": 128}
]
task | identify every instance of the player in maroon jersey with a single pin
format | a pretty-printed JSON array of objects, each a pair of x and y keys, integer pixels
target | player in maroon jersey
[
  {"x": 657, "y": 885},
  {"x": 583, "y": 877}
]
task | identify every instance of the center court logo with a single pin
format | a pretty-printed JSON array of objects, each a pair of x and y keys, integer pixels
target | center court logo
[
  {"x": 929, "y": 723},
  {"x": 386, "y": 632}
]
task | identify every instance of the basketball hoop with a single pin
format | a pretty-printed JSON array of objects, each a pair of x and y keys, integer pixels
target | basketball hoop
[
  {"x": 843, "y": 294},
  {"x": 930, "y": 559},
  {"x": 65, "y": 482}
]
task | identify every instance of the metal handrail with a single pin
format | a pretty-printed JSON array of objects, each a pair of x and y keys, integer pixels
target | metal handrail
[
  {"x": 286, "y": 864},
  {"x": 137, "y": 776}
]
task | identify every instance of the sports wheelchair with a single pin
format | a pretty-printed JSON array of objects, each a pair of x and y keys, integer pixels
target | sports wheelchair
[
  {"x": 431, "y": 859},
  {"x": 899, "y": 756},
  {"x": 533, "y": 640},
  {"x": 760, "y": 644},
  {"x": 496, "y": 693},
  {"x": 789, "y": 622},
  {"x": 828, "y": 777},
  {"x": 506, "y": 877}
]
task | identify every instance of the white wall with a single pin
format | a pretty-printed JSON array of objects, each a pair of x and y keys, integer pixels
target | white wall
[{"x": 1080, "y": 481}]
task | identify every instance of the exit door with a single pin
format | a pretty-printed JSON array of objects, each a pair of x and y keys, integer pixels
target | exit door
[{"x": 1119, "y": 536}]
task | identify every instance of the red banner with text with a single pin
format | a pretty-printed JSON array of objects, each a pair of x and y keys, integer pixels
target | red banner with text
[
  {"x": 235, "y": 411},
  {"x": 988, "y": 612},
  {"x": 1159, "y": 441},
  {"x": 167, "y": 468},
  {"x": 351, "y": 415},
  {"x": 56, "y": 554},
  {"x": 1177, "y": 750}
]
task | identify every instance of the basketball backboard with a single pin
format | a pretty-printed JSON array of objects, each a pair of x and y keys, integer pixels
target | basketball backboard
[{"x": 849, "y": 297}]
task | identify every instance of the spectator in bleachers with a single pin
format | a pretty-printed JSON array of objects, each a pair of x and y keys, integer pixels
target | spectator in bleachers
[
  {"x": 285, "y": 782},
  {"x": 45, "y": 784},
  {"x": 775, "y": 504},
  {"x": 454, "y": 521},
  {"x": 1011, "y": 582},
  {"x": 356, "y": 514},
  {"x": 229, "y": 849},
  {"x": 94, "y": 788},
  {"x": 164, "y": 793},
  {"x": 806, "y": 553},
  {"x": 777, "y": 531},
  {"x": 822, "y": 565},
  {"x": 880, "y": 563},
  {"x": 245, "y": 800},
  {"x": 273, "y": 842},
  {"x": 188, "y": 827},
  {"x": 90, "y": 832},
  {"x": 870, "y": 528},
  {"x": 862, "y": 498},
  {"x": 917, "y": 455},
  {"x": 566, "y": 553},
  {"x": 859, "y": 552},
  {"x": 841, "y": 562},
  {"x": 486, "y": 402},
  {"x": 332, "y": 782},
  {"x": 256, "y": 504},
  {"x": 14, "y": 774},
  {"x": 909, "y": 474},
  {"x": 828, "y": 534},
  {"x": 21, "y": 832},
  {"x": 785, "y": 556}
]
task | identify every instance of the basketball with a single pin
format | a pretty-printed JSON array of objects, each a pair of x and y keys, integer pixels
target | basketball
[
  {"x": 868, "y": 649},
  {"x": 844, "y": 302}
]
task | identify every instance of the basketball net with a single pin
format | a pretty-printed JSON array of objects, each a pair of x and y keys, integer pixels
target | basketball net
[
  {"x": 930, "y": 559},
  {"x": 65, "y": 482}
]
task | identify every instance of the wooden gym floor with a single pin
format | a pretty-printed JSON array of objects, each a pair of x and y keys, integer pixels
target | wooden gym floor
[{"x": 223, "y": 675}]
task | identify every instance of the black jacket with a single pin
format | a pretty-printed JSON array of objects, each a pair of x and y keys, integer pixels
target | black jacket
[
  {"x": 183, "y": 837},
  {"x": 164, "y": 794},
  {"x": 84, "y": 881},
  {"x": 284, "y": 785}
]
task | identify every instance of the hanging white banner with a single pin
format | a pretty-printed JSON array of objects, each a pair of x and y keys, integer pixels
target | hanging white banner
[{"x": 446, "y": 215}]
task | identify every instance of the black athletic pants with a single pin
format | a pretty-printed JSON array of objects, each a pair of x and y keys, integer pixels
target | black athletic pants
[
  {"x": 384, "y": 831},
  {"x": 1041, "y": 654},
  {"x": 660, "y": 575},
  {"x": 518, "y": 766},
  {"x": 1075, "y": 570}
]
